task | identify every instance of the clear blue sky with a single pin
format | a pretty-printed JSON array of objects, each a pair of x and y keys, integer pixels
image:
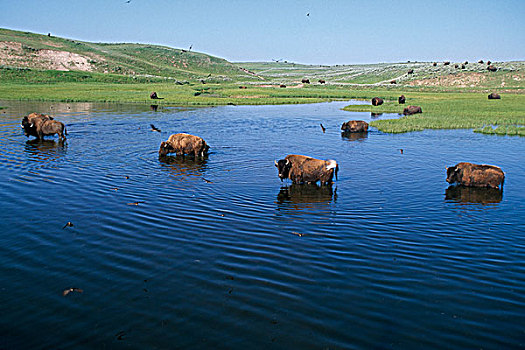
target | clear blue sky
[{"x": 335, "y": 32}]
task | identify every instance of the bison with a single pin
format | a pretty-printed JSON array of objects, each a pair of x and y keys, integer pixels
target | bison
[
  {"x": 401, "y": 99},
  {"x": 305, "y": 81},
  {"x": 322, "y": 81},
  {"x": 412, "y": 110},
  {"x": 410, "y": 71},
  {"x": 446, "y": 63},
  {"x": 153, "y": 96},
  {"x": 393, "y": 81},
  {"x": 376, "y": 101},
  {"x": 242, "y": 87},
  {"x": 434, "y": 64},
  {"x": 303, "y": 169},
  {"x": 488, "y": 63},
  {"x": 355, "y": 126},
  {"x": 494, "y": 96},
  {"x": 492, "y": 69},
  {"x": 282, "y": 86},
  {"x": 476, "y": 175},
  {"x": 40, "y": 125},
  {"x": 480, "y": 61},
  {"x": 182, "y": 144}
]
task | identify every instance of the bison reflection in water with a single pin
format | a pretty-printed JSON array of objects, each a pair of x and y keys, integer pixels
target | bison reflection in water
[
  {"x": 482, "y": 195},
  {"x": 354, "y": 136},
  {"x": 184, "y": 167},
  {"x": 46, "y": 150},
  {"x": 306, "y": 193}
]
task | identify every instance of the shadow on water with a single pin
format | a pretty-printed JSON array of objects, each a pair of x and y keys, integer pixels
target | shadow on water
[
  {"x": 46, "y": 150},
  {"x": 480, "y": 195},
  {"x": 306, "y": 193},
  {"x": 354, "y": 136},
  {"x": 184, "y": 166}
]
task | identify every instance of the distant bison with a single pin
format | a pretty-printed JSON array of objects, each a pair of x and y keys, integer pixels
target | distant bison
[
  {"x": 494, "y": 96},
  {"x": 468, "y": 174},
  {"x": 303, "y": 169},
  {"x": 463, "y": 66},
  {"x": 466, "y": 62},
  {"x": 322, "y": 81},
  {"x": 401, "y": 99},
  {"x": 393, "y": 81},
  {"x": 456, "y": 66},
  {"x": 355, "y": 126},
  {"x": 376, "y": 101},
  {"x": 282, "y": 86},
  {"x": 412, "y": 110},
  {"x": 153, "y": 96},
  {"x": 410, "y": 71},
  {"x": 480, "y": 61},
  {"x": 488, "y": 63},
  {"x": 446, "y": 63},
  {"x": 182, "y": 144},
  {"x": 305, "y": 81},
  {"x": 242, "y": 87},
  {"x": 40, "y": 125},
  {"x": 492, "y": 68},
  {"x": 434, "y": 64}
]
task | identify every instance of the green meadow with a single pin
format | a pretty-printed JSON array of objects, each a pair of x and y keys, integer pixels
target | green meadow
[{"x": 450, "y": 97}]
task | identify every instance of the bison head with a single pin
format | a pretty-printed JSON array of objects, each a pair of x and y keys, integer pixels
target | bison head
[
  {"x": 452, "y": 174},
  {"x": 165, "y": 148},
  {"x": 284, "y": 166},
  {"x": 29, "y": 127}
]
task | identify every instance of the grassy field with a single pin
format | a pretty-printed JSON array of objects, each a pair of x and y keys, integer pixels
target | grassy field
[
  {"x": 47, "y": 68},
  {"x": 445, "y": 110}
]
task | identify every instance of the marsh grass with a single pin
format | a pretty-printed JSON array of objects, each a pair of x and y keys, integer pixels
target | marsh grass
[{"x": 452, "y": 111}]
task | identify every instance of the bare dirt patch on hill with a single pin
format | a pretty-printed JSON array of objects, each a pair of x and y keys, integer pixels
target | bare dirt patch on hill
[{"x": 456, "y": 80}]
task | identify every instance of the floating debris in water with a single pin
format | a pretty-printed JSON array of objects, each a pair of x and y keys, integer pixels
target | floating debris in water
[
  {"x": 153, "y": 128},
  {"x": 69, "y": 290},
  {"x": 207, "y": 181},
  {"x": 115, "y": 188},
  {"x": 401, "y": 150},
  {"x": 322, "y": 127},
  {"x": 298, "y": 234},
  {"x": 120, "y": 335},
  {"x": 68, "y": 224},
  {"x": 126, "y": 177},
  {"x": 135, "y": 203}
]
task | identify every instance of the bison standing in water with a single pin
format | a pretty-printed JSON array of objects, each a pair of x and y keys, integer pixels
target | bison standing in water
[
  {"x": 494, "y": 96},
  {"x": 376, "y": 101},
  {"x": 40, "y": 125},
  {"x": 355, "y": 126},
  {"x": 303, "y": 169},
  {"x": 468, "y": 174},
  {"x": 412, "y": 110},
  {"x": 182, "y": 144}
]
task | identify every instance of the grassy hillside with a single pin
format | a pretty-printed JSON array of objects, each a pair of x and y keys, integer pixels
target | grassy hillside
[{"x": 42, "y": 52}]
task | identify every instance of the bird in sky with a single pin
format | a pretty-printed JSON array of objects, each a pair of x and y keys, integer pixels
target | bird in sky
[
  {"x": 308, "y": 14},
  {"x": 191, "y": 46},
  {"x": 127, "y": 2}
]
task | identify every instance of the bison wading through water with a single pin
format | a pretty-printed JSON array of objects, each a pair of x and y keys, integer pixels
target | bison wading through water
[
  {"x": 182, "y": 144},
  {"x": 376, "y": 101},
  {"x": 476, "y": 175},
  {"x": 355, "y": 126},
  {"x": 40, "y": 125},
  {"x": 303, "y": 169}
]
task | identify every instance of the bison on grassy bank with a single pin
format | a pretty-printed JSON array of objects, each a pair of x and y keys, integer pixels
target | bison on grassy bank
[
  {"x": 401, "y": 100},
  {"x": 182, "y": 144},
  {"x": 355, "y": 126},
  {"x": 494, "y": 96},
  {"x": 303, "y": 169},
  {"x": 376, "y": 101},
  {"x": 492, "y": 69},
  {"x": 412, "y": 110},
  {"x": 476, "y": 175},
  {"x": 40, "y": 125}
]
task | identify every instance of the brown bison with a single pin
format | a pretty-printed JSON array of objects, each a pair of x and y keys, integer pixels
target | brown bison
[
  {"x": 492, "y": 68},
  {"x": 153, "y": 95},
  {"x": 376, "y": 101},
  {"x": 480, "y": 61},
  {"x": 412, "y": 110},
  {"x": 282, "y": 86},
  {"x": 182, "y": 144},
  {"x": 463, "y": 66},
  {"x": 242, "y": 87},
  {"x": 303, "y": 169},
  {"x": 456, "y": 66},
  {"x": 446, "y": 63},
  {"x": 434, "y": 64},
  {"x": 40, "y": 125},
  {"x": 494, "y": 96},
  {"x": 488, "y": 63},
  {"x": 410, "y": 71},
  {"x": 393, "y": 81},
  {"x": 322, "y": 81},
  {"x": 305, "y": 81},
  {"x": 401, "y": 99},
  {"x": 468, "y": 174},
  {"x": 466, "y": 62},
  {"x": 355, "y": 126}
]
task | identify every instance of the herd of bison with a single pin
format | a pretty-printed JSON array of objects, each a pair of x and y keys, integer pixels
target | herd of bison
[{"x": 298, "y": 168}]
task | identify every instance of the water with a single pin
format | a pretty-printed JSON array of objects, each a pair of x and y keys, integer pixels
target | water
[{"x": 386, "y": 258}]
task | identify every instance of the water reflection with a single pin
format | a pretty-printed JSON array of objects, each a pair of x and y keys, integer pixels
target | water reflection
[
  {"x": 46, "y": 150},
  {"x": 154, "y": 108},
  {"x": 375, "y": 115},
  {"x": 183, "y": 166},
  {"x": 463, "y": 194},
  {"x": 306, "y": 193},
  {"x": 354, "y": 136}
]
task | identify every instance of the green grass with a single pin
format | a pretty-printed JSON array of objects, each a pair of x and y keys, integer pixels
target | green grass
[{"x": 451, "y": 111}]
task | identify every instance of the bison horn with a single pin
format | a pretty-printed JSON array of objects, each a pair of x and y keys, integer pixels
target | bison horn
[
  {"x": 276, "y": 164},
  {"x": 31, "y": 125}
]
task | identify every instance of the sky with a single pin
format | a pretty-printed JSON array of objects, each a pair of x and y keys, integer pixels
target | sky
[{"x": 324, "y": 32}]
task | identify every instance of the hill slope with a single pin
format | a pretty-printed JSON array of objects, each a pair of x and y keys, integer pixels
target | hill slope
[{"x": 44, "y": 52}]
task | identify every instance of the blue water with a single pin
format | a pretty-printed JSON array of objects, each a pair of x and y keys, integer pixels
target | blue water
[{"x": 382, "y": 259}]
